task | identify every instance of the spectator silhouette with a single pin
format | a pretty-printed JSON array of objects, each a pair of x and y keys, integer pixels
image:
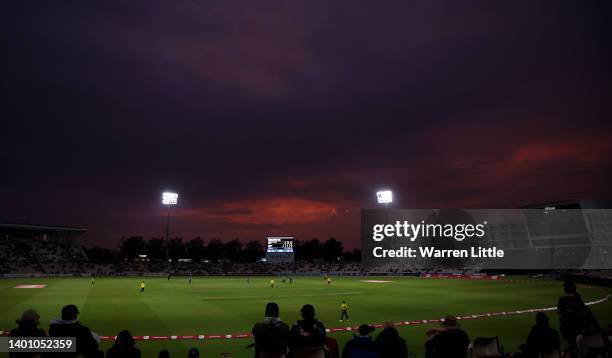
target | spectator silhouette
[
  {"x": 193, "y": 353},
  {"x": 574, "y": 315},
  {"x": 163, "y": 354},
  {"x": 27, "y": 326},
  {"x": 362, "y": 345},
  {"x": 307, "y": 333},
  {"x": 123, "y": 347},
  {"x": 593, "y": 343},
  {"x": 271, "y": 335},
  {"x": 69, "y": 326},
  {"x": 390, "y": 343},
  {"x": 448, "y": 342},
  {"x": 331, "y": 347},
  {"x": 609, "y": 334},
  {"x": 542, "y": 339}
]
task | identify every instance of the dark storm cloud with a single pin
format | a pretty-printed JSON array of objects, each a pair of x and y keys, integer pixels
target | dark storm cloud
[{"x": 291, "y": 114}]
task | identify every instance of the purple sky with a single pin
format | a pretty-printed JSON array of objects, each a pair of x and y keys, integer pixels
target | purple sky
[{"x": 285, "y": 117}]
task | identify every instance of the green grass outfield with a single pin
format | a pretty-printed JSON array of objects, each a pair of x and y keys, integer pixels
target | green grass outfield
[{"x": 221, "y": 305}]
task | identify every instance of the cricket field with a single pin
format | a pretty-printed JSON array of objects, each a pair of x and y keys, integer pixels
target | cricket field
[{"x": 230, "y": 305}]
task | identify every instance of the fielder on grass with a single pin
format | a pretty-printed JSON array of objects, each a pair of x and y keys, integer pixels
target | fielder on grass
[{"x": 344, "y": 311}]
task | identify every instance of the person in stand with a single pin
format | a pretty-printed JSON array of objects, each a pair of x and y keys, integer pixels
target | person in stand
[
  {"x": 574, "y": 315},
  {"x": 362, "y": 345},
  {"x": 390, "y": 343},
  {"x": 448, "y": 342},
  {"x": 124, "y": 347},
  {"x": 69, "y": 326},
  {"x": 307, "y": 333},
  {"x": 193, "y": 353},
  {"x": 271, "y": 335},
  {"x": 542, "y": 339},
  {"x": 27, "y": 327}
]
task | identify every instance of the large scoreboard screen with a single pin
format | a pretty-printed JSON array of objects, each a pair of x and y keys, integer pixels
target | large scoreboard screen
[{"x": 280, "y": 244}]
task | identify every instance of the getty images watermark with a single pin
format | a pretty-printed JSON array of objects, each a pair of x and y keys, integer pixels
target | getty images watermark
[
  {"x": 447, "y": 239},
  {"x": 412, "y": 232}
]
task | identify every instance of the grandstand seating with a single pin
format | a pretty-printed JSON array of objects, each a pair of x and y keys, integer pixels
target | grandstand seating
[
  {"x": 22, "y": 256},
  {"x": 56, "y": 257}
]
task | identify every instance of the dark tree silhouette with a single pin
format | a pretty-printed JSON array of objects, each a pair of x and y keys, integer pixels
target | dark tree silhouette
[
  {"x": 131, "y": 247},
  {"x": 332, "y": 250},
  {"x": 101, "y": 255},
  {"x": 233, "y": 250},
  {"x": 196, "y": 249},
  {"x": 252, "y": 251},
  {"x": 214, "y": 250},
  {"x": 176, "y": 249},
  {"x": 308, "y": 250},
  {"x": 156, "y": 248}
]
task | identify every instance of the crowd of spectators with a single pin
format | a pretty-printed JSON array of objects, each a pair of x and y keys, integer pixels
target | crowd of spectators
[
  {"x": 53, "y": 257},
  {"x": 307, "y": 337},
  {"x": 37, "y": 257},
  {"x": 27, "y": 256},
  {"x": 139, "y": 268}
]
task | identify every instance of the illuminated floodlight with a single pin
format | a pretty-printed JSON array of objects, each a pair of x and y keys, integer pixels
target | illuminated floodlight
[
  {"x": 169, "y": 198},
  {"x": 384, "y": 196}
]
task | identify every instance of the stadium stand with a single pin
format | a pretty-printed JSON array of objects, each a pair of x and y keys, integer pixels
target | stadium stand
[{"x": 37, "y": 249}]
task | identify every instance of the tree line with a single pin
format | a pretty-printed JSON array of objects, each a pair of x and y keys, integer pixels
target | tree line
[{"x": 216, "y": 250}]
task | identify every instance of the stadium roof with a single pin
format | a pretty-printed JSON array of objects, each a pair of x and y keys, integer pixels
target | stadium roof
[
  {"x": 16, "y": 226},
  {"x": 572, "y": 204}
]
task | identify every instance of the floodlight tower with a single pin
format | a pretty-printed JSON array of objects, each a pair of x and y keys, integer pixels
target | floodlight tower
[
  {"x": 384, "y": 197},
  {"x": 168, "y": 199}
]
